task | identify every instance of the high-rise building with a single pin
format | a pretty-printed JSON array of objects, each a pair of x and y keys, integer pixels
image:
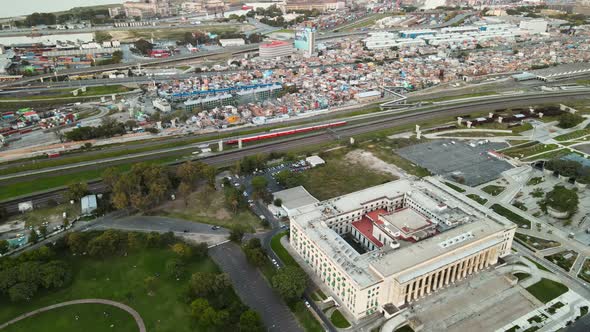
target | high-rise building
[{"x": 387, "y": 246}]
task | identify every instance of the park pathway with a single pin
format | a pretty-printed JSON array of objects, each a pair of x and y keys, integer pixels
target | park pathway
[{"x": 119, "y": 305}]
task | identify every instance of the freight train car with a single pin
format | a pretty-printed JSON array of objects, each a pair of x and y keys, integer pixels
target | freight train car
[{"x": 286, "y": 132}]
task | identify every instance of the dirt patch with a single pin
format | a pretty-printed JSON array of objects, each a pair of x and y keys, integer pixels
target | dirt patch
[{"x": 368, "y": 160}]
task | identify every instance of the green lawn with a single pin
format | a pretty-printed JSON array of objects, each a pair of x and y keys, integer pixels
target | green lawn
[
  {"x": 91, "y": 318},
  {"x": 477, "y": 198},
  {"x": 522, "y": 276},
  {"x": 527, "y": 151},
  {"x": 338, "y": 177},
  {"x": 493, "y": 190},
  {"x": 468, "y": 133},
  {"x": 277, "y": 247},
  {"x": 546, "y": 290},
  {"x": 455, "y": 187},
  {"x": 535, "y": 243},
  {"x": 208, "y": 206},
  {"x": 338, "y": 320},
  {"x": 585, "y": 271},
  {"x": 534, "y": 181},
  {"x": 515, "y": 218},
  {"x": 119, "y": 279},
  {"x": 67, "y": 93},
  {"x": 560, "y": 260},
  {"x": 573, "y": 135},
  {"x": 469, "y": 95},
  {"x": 539, "y": 266},
  {"x": 55, "y": 182}
]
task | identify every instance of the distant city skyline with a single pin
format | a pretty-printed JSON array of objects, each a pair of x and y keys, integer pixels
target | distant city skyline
[{"x": 27, "y": 7}]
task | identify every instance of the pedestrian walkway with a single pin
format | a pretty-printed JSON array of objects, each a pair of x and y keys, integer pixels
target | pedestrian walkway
[{"x": 131, "y": 311}]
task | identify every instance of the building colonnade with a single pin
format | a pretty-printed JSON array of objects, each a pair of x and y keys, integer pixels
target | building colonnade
[{"x": 437, "y": 279}]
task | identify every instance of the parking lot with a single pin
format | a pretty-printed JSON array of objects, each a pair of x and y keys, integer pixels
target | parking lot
[{"x": 466, "y": 162}]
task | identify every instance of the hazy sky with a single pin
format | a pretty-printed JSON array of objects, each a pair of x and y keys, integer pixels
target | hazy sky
[{"x": 25, "y": 7}]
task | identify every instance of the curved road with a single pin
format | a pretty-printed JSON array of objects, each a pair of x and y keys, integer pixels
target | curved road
[{"x": 119, "y": 305}]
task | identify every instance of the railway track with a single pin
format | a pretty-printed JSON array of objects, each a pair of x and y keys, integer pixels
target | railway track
[{"x": 375, "y": 123}]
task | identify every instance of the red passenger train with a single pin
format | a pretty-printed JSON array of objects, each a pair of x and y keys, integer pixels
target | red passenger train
[{"x": 286, "y": 132}]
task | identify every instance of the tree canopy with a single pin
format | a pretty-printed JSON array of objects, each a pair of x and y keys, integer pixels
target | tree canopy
[
  {"x": 562, "y": 199},
  {"x": 290, "y": 282}
]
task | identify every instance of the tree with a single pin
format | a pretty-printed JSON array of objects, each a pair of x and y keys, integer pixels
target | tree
[
  {"x": 4, "y": 246},
  {"x": 55, "y": 274},
  {"x": 110, "y": 176},
  {"x": 562, "y": 199},
  {"x": 130, "y": 124},
  {"x": 259, "y": 184},
  {"x": 290, "y": 282},
  {"x": 255, "y": 256},
  {"x": 278, "y": 202},
  {"x": 76, "y": 241},
  {"x": 143, "y": 46},
  {"x": 33, "y": 236},
  {"x": 43, "y": 231},
  {"x": 250, "y": 322},
  {"x": 77, "y": 190},
  {"x": 175, "y": 268},
  {"x": 198, "y": 307},
  {"x": 569, "y": 120},
  {"x": 22, "y": 292},
  {"x": 135, "y": 241},
  {"x": 236, "y": 234},
  {"x": 189, "y": 172},
  {"x": 182, "y": 250},
  {"x": 185, "y": 190},
  {"x": 101, "y": 36}
]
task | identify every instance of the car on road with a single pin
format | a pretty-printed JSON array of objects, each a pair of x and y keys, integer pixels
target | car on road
[
  {"x": 215, "y": 228},
  {"x": 307, "y": 304}
]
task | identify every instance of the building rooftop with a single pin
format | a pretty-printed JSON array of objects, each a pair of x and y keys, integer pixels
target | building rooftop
[
  {"x": 478, "y": 223},
  {"x": 406, "y": 220},
  {"x": 296, "y": 197}
]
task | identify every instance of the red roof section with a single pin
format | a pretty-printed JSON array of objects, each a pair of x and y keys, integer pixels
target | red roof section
[
  {"x": 365, "y": 226},
  {"x": 274, "y": 43},
  {"x": 374, "y": 215}
]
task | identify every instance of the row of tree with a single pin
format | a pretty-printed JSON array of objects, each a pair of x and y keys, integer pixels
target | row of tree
[
  {"x": 569, "y": 168},
  {"x": 22, "y": 277},
  {"x": 109, "y": 127}
]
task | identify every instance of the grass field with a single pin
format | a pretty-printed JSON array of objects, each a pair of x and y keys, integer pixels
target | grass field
[
  {"x": 573, "y": 135},
  {"x": 339, "y": 177},
  {"x": 585, "y": 271},
  {"x": 477, "y": 198},
  {"x": 560, "y": 259},
  {"x": 549, "y": 155},
  {"x": 493, "y": 190},
  {"x": 119, "y": 279},
  {"x": 515, "y": 218},
  {"x": 455, "y": 187},
  {"x": 208, "y": 206},
  {"x": 338, "y": 320},
  {"x": 539, "y": 266},
  {"x": 467, "y": 133},
  {"x": 469, "y": 95},
  {"x": 47, "y": 183},
  {"x": 527, "y": 151},
  {"x": 546, "y": 290},
  {"x": 278, "y": 248},
  {"x": 91, "y": 318},
  {"x": 535, "y": 243},
  {"x": 522, "y": 276},
  {"x": 67, "y": 93},
  {"x": 172, "y": 33}
]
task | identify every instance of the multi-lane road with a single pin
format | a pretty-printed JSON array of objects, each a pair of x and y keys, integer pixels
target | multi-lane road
[{"x": 367, "y": 124}]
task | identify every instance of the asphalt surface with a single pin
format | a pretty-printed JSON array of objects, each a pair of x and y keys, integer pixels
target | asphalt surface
[
  {"x": 381, "y": 122},
  {"x": 157, "y": 224},
  {"x": 253, "y": 289}
]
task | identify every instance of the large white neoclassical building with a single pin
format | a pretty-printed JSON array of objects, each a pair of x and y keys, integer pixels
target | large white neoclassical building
[{"x": 382, "y": 248}]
